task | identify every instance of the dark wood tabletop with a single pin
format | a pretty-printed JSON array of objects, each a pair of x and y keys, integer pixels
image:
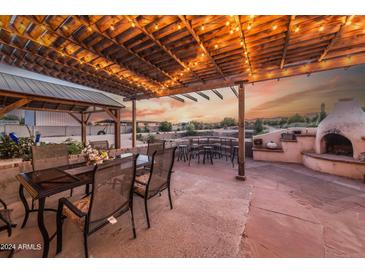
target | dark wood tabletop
[{"x": 48, "y": 182}]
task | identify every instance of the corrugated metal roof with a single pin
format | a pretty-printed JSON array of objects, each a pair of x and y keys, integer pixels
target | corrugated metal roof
[{"x": 35, "y": 87}]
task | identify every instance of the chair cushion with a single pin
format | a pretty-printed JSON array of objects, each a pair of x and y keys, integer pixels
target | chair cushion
[
  {"x": 82, "y": 205},
  {"x": 140, "y": 189},
  {"x": 143, "y": 179}
]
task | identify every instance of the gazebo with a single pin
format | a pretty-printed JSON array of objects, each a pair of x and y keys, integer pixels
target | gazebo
[{"x": 141, "y": 57}]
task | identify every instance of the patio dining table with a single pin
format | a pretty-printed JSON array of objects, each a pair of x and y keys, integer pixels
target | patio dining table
[{"x": 48, "y": 182}]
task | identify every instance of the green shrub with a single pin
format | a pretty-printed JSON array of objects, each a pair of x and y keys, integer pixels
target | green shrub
[
  {"x": 75, "y": 148},
  {"x": 165, "y": 126},
  {"x": 9, "y": 149}
]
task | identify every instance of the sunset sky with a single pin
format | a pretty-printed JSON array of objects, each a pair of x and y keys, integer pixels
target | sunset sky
[{"x": 300, "y": 94}]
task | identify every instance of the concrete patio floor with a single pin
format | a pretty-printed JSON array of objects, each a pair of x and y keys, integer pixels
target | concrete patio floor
[{"x": 281, "y": 210}]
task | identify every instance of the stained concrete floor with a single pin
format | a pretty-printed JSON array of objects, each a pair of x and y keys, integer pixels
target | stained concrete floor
[{"x": 279, "y": 211}]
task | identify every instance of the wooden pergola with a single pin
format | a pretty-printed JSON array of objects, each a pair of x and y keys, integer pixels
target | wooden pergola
[
  {"x": 141, "y": 57},
  {"x": 18, "y": 92}
]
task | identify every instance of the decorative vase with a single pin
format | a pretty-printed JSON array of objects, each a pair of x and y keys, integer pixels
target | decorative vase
[{"x": 271, "y": 145}]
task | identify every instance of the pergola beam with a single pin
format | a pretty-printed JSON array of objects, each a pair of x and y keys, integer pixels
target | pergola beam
[
  {"x": 201, "y": 45},
  {"x": 243, "y": 42},
  {"x": 157, "y": 42},
  {"x": 335, "y": 38},
  {"x": 286, "y": 43},
  {"x": 190, "y": 97},
  {"x": 216, "y": 92},
  {"x": 177, "y": 98},
  {"x": 234, "y": 91},
  {"x": 203, "y": 95},
  {"x": 13, "y": 106}
]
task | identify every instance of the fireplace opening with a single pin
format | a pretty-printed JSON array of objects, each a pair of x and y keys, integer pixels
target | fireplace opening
[{"x": 338, "y": 145}]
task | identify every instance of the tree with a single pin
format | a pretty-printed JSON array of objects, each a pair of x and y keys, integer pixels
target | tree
[
  {"x": 228, "y": 122},
  {"x": 322, "y": 113},
  {"x": 146, "y": 128},
  {"x": 197, "y": 125},
  {"x": 296, "y": 118},
  {"x": 165, "y": 126},
  {"x": 10, "y": 117},
  {"x": 190, "y": 129},
  {"x": 283, "y": 121},
  {"x": 258, "y": 126}
]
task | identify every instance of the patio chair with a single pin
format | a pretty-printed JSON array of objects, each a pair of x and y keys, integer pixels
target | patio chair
[
  {"x": 149, "y": 185},
  {"x": 111, "y": 196},
  {"x": 6, "y": 224},
  {"x": 48, "y": 156},
  {"x": 100, "y": 145},
  {"x": 155, "y": 146}
]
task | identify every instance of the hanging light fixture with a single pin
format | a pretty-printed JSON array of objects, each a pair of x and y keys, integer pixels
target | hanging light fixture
[
  {"x": 297, "y": 29},
  {"x": 179, "y": 26},
  {"x": 249, "y": 26},
  {"x": 156, "y": 27},
  {"x": 202, "y": 27},
  {"x": 274, "y": 27},
  {"x": 321, "y": 28},
  {"x": 133, "y": 24}
]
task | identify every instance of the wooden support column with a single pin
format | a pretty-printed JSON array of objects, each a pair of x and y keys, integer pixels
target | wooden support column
[
  {"x": 134, "y": 123},
  {"x": 241, "y": 132},
  {"x": 83, "y": 128},
  {"x": 117, "y": 132}
]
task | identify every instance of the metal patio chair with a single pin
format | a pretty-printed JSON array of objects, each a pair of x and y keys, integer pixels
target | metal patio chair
[
  {"x": 48, "y": 156},
  {"x": 149, "y": 185},
  {"x": 153, "y": 146},
  {"x": 111, "y": 196},
  {"x": 6, "y": 224}
]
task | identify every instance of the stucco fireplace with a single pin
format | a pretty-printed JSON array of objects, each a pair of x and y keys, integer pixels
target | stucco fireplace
[{"x": 342, "y": 131}]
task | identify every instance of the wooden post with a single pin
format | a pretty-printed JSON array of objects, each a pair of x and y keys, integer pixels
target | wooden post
[
  {"x": 117, "y": 132},
  {"x": 241, "y": 132},
  {"x": 134, "y": 124},
  {"x": 83, "y": 128}
]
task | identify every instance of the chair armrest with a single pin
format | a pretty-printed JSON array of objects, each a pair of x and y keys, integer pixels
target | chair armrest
[
  {"x": 3, "y": 203},
  {"x": 64, "y": 202}
]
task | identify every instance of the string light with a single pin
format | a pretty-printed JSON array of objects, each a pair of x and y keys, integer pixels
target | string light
[
  {"x": 249, "y": 27},
  {"x": 89, "y": 29},
  {"x": 297, "y": 29},
  {"x": 133, "y": 24},
  {"x": 112, "y": 28},
  {"x": 321, "y": 28},
  {"x": 216, "y": 46},
  {"x": 202, "y": 27},
  {"x": 203, "y": 54},
  {"x": 241, "y": 43},
  {"x": 179, "y": 26},
  {"x": 237, "y": 28},
  {"x": 227, "y": 23},
  {"x": 231, "y": 31},
  {"x": 156, "y": 27},
  {"x": 274, "y": 27}
]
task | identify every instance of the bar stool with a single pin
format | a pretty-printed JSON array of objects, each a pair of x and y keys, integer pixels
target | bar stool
[
  {"x": 182, "y": 152},
  {"x": 234, "y": 154},
  {"x": 193, "y": 151},
  {"x": 207, "y": 153}
]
